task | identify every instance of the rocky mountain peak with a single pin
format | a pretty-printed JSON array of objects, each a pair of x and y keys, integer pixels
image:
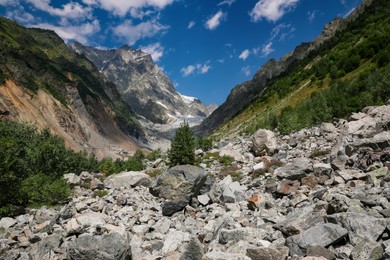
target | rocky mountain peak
[{"x": 144, "y": 86}]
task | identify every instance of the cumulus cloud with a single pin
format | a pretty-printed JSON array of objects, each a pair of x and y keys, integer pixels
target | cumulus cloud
[
  {"x": 155, "y": 50},
  {"x": 73, "y": 32},
  {"x": 195, "y": 69},
  {"x": 123, "y": 7},
  {"x": 134, "y": 32},
  {"x": 267, "y": 49},
  {"x": 271, "y": 10},
  {"x": 191, "y": 24},
  {"x": 215, "y": 20},
  {"x": 245, "y": 54},
  {"x": 71, "y": 10}
]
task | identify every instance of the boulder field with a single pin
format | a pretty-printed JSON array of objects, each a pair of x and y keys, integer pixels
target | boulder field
[{"x": 320, "y": 193}]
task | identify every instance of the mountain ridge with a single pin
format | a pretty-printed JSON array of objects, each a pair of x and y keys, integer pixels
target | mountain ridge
[{"x": 243, "y": 94}]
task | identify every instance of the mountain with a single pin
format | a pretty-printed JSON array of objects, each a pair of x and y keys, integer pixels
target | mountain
[
  {"x": 233, "y": 114},
  {"x": 143, "y": 85},
  {"x": 44, "y": 83}
]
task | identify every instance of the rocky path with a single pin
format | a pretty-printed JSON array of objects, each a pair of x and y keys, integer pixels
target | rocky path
[{"x": 321, "y": 193}]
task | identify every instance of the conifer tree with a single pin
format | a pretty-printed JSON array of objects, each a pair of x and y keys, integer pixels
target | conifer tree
[{"x": 182, "y": 147}]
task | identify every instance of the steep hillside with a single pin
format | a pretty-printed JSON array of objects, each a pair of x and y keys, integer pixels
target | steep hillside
[
  {"x": 345, "y": 49},
  {"x": 144, "y": 86},
  {"x": 44, "y": 83}
]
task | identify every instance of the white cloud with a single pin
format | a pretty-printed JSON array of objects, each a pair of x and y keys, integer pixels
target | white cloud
[
  {"x": 227, "y": 2},
  {"x": 311, "y": 15},
  {"x": 281, "y": 31},
  {"x": 198, "y": 69},
  {"x": 246, "y": 70},
  {"x": 186, "y": 71},
  {"x": 70, "y": 10},
  {"x": 267, "y": 49},
  {"x": 132, "y": 33},
  {"x": 78, "y": 32},
  {"x": 17, "y": 12},
  {"x": 271, "y": 10},
  {"x": 191, "y": 24},
  {"x": 245, "y": 54},
  {"x": 202, "y": 69},
  {"x": 122, "y": 7},
  {"x": 155, "y": 50},
  {"x": 215, "y": 20}
]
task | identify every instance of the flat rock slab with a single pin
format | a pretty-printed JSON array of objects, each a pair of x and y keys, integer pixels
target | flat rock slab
[
  {"x": 127, "y": 179},
  {"x": 324, "y": 235}
]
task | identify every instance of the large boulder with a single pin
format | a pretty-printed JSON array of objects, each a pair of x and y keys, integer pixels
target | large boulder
[
  {"x": 177, "y": 186},
  {"x": 324, "y": 235},
  {"x": 296, "y": 170},
  {"x": 128, "y": 179},
  {"x": 111, "y": 246},
  {"x": 183, "y": 181},
  {"x": 264, "y": 143}
]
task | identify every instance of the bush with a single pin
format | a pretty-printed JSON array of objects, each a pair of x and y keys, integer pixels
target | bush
[
  {"x": 32, "y": 164},
  {"x": 204, "y": 143},
  {"x": 182, "y": 147}
]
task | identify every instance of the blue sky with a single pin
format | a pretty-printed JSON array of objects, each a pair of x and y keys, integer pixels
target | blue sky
[{"x": 206, "y": 47}]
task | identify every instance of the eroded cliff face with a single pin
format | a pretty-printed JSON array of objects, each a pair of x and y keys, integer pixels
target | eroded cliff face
[{"x": 100, "y": 135}]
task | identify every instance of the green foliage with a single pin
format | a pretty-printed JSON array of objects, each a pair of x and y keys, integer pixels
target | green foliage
[
  {"x": 182, "y": 147},
  {"x": 133, "y": 163},
  {"x": 226, "y": 160},
  {"x": 32, "y": 164},
  {"x": 41, "y": 189},
  {"x": 154, "y": 155},
  {"x": 204, "y": 143}
]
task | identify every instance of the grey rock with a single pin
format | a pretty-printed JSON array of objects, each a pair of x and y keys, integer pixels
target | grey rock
[
  {"x": 171, "y": 207},
  {"x": 127, "y": 179},
  {"x": 324, "y": 234},
  {"x": 224, "y": 256},
  {"x": 180, "y": 182},
  {"x": 174, "y": 240},
  {"x": 232, "y": 235},
  {"x": 298, "y": 169},
  {"x": 6, "y": 222},
  {"x": 359, "y": 225},
  {"x": 367, "y": 249},
  {"x": 268, "y": 253},
  {"x": 194, "y": 250},
  {"x": 320, "y": 251},
  {"x": 72, "y": 179},
  {"x": 203, "y": 199},
  {"x": 106, "y": 247},
  {"x": 264, "y": 142}
]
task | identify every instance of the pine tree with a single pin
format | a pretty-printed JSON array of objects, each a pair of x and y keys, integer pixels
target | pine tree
[{"x": 182, "y": 147}]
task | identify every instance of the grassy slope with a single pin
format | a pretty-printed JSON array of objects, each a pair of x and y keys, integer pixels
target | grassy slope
[{"x": 352, "y": 52}]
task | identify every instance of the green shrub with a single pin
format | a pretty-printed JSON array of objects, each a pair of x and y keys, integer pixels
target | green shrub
[
  {"x": 226, "y": 160},
  {"x": 154, "y": 155},
  {"x": 40, "y": 189},
  {"x": 204, "y": 143},
  {"x": 32, "y": 164},
  {"x": 182, "y": 147}
]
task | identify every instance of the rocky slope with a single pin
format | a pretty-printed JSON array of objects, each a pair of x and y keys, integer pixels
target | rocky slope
[
  {"x": 244, "y": 94},
  {"x": 144, "y": 86},
  {"x": 42, "y": 82},
  {"x": 320, "y": 193}
]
